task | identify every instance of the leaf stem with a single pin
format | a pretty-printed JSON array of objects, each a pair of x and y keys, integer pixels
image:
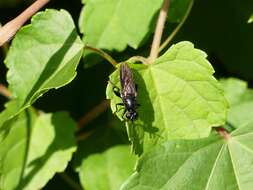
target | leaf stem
[
  {"x": 93, "y": 113},
  {"x": 159, "y": 31},
  {"x": 70, "y": 181},
  {"x": 137, "y": 59},
  {"x": 4, "y": 91},
  {"x": 102, "y": 54},
  {"x": 223, "y": 133},
  {"x": 10, "y": 29},
  {"x": 5, "y": 46},
  {"x": 175, "y": 31},
  {"x": 84, "y": 136}
]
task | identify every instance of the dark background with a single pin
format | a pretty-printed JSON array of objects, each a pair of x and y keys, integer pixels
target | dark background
[{"x": 218, "y": 27}]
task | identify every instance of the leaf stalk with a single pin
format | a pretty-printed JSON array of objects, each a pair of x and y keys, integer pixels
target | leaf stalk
[
  {"x": 93, "y": 113},
  {"x": 159, "y": 31},
  {"x": 11, "y": 28},
  {"x": 223, "y": 133},
  {"x": 4, "y": 91},
  {"x": 175, "y": 31},
  {"x": 70, "y": 181},
  {"x": 102, "y": 54}
]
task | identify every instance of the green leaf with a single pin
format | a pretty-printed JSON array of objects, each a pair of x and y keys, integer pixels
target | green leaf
[
  {"x": 178, "y": 95},
  {"x": 107, "y": 170},
  {"x": 35, "y": 149},
  {"x": 177, "y": 10},
  {"x": 240, "y": 99},
  {"x": 213, "y": 163},
  {"x": 104, "y": 137},
  {"x": 43, "y": 55},
  {"x": 113, "y": 24}
]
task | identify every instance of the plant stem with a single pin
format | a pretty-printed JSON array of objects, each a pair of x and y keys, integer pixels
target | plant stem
[
  {"x": 83, "y": 136},
  {"x": 173, "y": 34},
  {"x": 102, "y": 54},
  {"x": 93, "y": 113},
  {"x": 10, "y": 29},
  {"x": 70, "y": 181},
  {"x": 137, "y": 59},
  {"x": 4, "y": 91},
  {"x": 5, "y": 46},
  {"x": 223, "y": 133},
  {"x": 159, "y": 31}
]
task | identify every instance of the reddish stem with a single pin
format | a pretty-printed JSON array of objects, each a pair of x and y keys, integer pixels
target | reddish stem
[
  {"x": 4, "y": 91},
  {"x": 223, "y": 133},
  {"x": 92, "y": 114},
  {"x": 10, "y": 29}
]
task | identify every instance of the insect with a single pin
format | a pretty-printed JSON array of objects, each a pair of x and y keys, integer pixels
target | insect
[{"x": 128, "y": 93}]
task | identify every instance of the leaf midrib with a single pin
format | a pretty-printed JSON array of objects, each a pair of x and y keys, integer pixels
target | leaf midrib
[
  {"x": 233, "y": 165},
  {"x": 214, "y": 166}
]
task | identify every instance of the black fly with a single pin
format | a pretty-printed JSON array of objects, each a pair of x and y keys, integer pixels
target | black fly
[{"x": 128, "y": 93}]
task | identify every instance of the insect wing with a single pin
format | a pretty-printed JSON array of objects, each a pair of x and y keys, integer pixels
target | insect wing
[{"x": 127, "y": 81}]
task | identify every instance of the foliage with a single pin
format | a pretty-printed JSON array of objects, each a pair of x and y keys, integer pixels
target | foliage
[
  {"x": 241, "y": 102},
  {"x": 193, "y": 131},
  {"x": 181, "y": 104},
  {"x": 111, "y": 167},
  {"x": 52, "y": 69},
  {"x": 33, "y": 145},
  {"x": 108, "y": 24},
  {"x": 210, "y": 163}
]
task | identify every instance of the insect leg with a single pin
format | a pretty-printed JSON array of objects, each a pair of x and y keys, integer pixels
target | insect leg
[
  {"x": 119, "y": 104},
  {"x": 122, "y": 116},
  {"x": 115, "y": 89}
]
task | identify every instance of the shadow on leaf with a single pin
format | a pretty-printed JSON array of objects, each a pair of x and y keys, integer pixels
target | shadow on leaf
[
  {"x": 62, "y": 141},
  {"x": 50, "y": 68},
  {"x": 146, "y": 116}
]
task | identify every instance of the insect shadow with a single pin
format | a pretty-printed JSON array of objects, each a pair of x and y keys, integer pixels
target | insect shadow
[
  {"x": 145, "y": 110},
  {"x": 135, "y": 107}
]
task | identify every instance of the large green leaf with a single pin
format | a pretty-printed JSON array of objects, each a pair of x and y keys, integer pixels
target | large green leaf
[
  {"x": 35, "y": 149},
  {"x": 213, "y": 163},
  {"x": 107, "y": 170},
  {"x": 105, "y": 136},
  {"x": 43, "y": 55},
  {"x": 240, "y": 99},
  {"x": 178, "y": 95},
  {"x": 113, "y": 24}
]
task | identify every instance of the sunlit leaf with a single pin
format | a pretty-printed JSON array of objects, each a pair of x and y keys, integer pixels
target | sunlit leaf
[
  {"x": 35, "y": 149},
  {"x": 113, "y": 24},
  {"x": 240, "y": 99},
  {"x": 178, "y": 95},
  {"x": 107, "y": 170},
  {"x": 213, "y": 163},
  {"x": 42, "y": 56},
  {"x": 106, "y": 136}
]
